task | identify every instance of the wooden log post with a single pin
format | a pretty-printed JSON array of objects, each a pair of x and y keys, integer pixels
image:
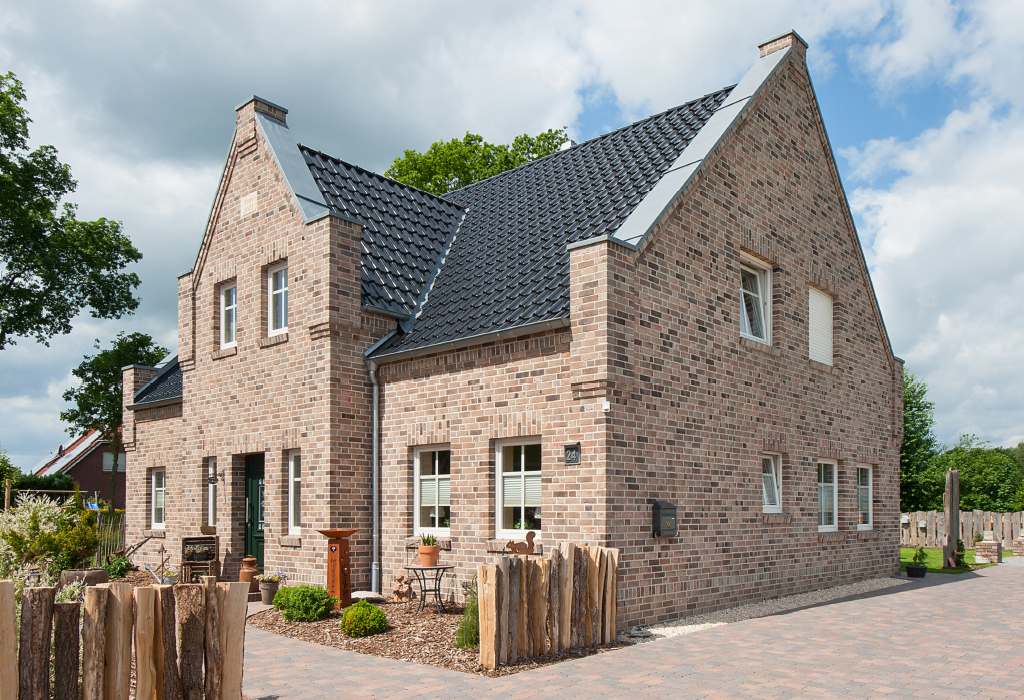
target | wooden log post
[
  {"x": 34, "y": 649},
  {"x": 233, "y": 600},
  {"x": 602, "y": 568},
  {"x": 486, "y": 584},
  {"x": 565, "y": 595},
  {"x": 166, "y": 646},
  {"x": 539, "y": 586},
  {"x": 591, "y": 620},
  {"x": 951, "y": 513},
  {"x": 65, "y": 650},
  {"x": 191, "y": 614},
  {"x": 8, "y": 646},
  {"x": 524, "y": 645},
  {"x": 515, "y": 572},
  {"x": 212, "y": 665},
  {"x": 501, "y": 598},
  {"x": 611, "y": 597},
  {"x": 117, "y": 664},
  {"x": 145, "y": 630},
  {"x": 554, "y": 598},
  {"x": 579, "y": 596},
  {"x": 94, "y": 642}
]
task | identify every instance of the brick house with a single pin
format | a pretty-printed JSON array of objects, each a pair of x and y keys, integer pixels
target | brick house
[
  {"x": 88, "y": 460},
  {"x": 682, "y": 303}
]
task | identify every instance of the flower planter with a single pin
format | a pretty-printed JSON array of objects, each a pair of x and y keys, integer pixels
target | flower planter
[
  {"x": 914, "y": 571},
  {"x": 268, "y": 589},
  {"x": 429, "y": 554}
]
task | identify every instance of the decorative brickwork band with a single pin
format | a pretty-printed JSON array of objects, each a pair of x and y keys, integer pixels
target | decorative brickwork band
[
  {"x": 824, "y": 279},
  {"x": 760, "y": 246},
  {"x": 773, "y": 442},
  {"x": 829, "y": 449}
]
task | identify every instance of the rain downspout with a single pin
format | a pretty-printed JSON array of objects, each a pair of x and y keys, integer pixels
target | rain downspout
[{"x": 371, "y": 366}]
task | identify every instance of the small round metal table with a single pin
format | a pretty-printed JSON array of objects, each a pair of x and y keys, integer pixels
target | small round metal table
[{"x": 427, "y": 575}]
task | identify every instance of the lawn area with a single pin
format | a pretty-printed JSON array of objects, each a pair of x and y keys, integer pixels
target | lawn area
[{"x": 934, "y": 561}]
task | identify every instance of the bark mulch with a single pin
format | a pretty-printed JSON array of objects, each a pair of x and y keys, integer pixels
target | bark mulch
[{"x": 420, "y": 637}]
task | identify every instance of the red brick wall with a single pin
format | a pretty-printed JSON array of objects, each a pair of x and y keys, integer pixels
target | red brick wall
[{"x": 89, "y": 475}]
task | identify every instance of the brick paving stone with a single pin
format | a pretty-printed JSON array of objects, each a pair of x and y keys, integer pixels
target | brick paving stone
[{"x": 942, "y": 637}]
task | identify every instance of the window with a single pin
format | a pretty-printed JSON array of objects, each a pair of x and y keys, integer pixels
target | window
[
  {"x": 519, "y": 468},
  {"x": 755, "y": 292},
  {"x": 864, "y": 496},
  {"x": 771, "y": 483},
  {"x": 158, "y": 497},
  {"x": 819, "y": 327},
  {"x": 108, "y": 461},
  {"x": 433, "y": 490},
  {"x": 228, "y": 316},
  {"x": 294, "y": 493},
  {"x": 211, "y": 491},
  {"x": 827, "y": 497},
  {"x": 277, "y": 298}
]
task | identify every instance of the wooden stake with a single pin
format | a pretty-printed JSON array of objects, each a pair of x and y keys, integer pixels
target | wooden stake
[
  {"x": 8, "y": 646},
  {"x": 191, "y": 612},
  {"x": 611, "y": 597},
  {"x": 524, "y": 645},
  {"x": 579, "y": 596},
  {"x": 515, "y": 576},
  {"x": 501, "y": 598},
  {"x": 34, "y": 650},
  {"x": 145, "y": 630},
  {"x": 233, "y": 601},
  {"x": 117, "y": 665},
  {"x": 65, "y": 652},
  {"x": 212, "y": 639},
  {"x": 486, "y": 582},
  {"x": 565, "y": 595},
  {"x": 7, "y": 494},
  {"x": 591, "y": 620},
  {"x": 539, "y": 585},
  {"x": 602, "y": 577},
  {"x": 166, "y": 648},
  {"x": 554, "y": 601},
  {"x": 94, "y": 642}
]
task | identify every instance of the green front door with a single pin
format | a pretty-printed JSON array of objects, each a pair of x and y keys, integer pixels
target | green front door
[{"x": 254, "y": 490}]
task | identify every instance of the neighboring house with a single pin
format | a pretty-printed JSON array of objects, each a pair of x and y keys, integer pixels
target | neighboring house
[
  {"x": 685, "y": 299},
  {"x": 88, "y": 460}
]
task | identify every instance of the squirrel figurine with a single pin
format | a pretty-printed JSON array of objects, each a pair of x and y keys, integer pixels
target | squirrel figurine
[{"x": 522, "y": 547}]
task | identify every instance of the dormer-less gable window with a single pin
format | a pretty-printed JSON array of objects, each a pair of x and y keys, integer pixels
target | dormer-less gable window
[
  {"x": 819, "y": 326},
  {"x": 755, "y": 295},
  {"x": 228, "y": 316},
  {"x": 277, "y": 299}
]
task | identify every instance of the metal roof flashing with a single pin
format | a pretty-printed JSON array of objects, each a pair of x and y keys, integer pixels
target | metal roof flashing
[
  {"x": 293, "y": 167},
  {"x": 649, "y": 212}
]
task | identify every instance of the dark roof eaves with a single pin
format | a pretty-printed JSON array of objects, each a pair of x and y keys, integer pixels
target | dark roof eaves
[
  {"x": 154, "y": 404},
  {"x": 480, "y": 339}
]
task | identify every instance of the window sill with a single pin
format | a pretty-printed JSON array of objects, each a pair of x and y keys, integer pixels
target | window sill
[
  {"x": 224, "y": 352},
  {"x": 759, "y": 346},
  {"x": 831, "y": 537},
  {"x": 291, "y": 541},
  {"x": 155, "y": 532},
  {"x": 821, "y": 366},
  {"x": 498, "y": 546},
  {"x": 776, "y": 518},
  {"x": 273, "y": 340}
]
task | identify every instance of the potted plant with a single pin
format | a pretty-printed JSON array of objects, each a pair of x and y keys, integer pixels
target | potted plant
[
  {"x": 269, "y": 584},
  {"x": 190, "y": 553},
  {"x": 429, "y": 550},
  {"x": 917, "y": 568},
  {"x": 203, "y": 553}
]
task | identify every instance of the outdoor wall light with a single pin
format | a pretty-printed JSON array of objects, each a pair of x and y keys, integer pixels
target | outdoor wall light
[{"x": 664, "y": 519}]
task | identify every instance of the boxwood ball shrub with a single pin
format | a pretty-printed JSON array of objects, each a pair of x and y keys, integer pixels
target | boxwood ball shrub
[
  {"x": 304, "y": 603},
  {"x": 363, "y": 619}
]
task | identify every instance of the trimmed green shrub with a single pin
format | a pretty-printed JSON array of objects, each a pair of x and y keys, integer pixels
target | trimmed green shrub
[
  {"x": 304, "y": 603},
  {"x": 363, "y": 619},
  {"x": 468, "y": 634},
  {"x": 119, "y": 566}
]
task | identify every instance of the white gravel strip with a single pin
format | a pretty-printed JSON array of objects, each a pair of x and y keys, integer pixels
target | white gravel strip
[
  {"x": 1013, "y": 561},
  {"x": 689, "y": 625}
]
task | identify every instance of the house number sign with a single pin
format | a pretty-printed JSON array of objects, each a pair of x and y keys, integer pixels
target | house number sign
[{"x": 572, "y": 454}]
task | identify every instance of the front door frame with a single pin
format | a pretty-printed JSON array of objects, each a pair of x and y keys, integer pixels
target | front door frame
[{"x": 255, "y": 506}]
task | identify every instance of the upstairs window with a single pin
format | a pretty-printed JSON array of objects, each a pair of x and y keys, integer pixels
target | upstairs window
[
  {"x": 277, "y": 299},
  {"x": 433, "y": 490},
  {"x": 771, "y": 484},
  {"x": 519, "y": 489},
  {"x": 819, "y": 327},
  {"x": 294, "y": 493},
  {"x": 108, "y": 461},
  {"x": 228, "y": 316},
  {"x": 158, "y": 499},
  {"x": 864, "y": 497},
  {"x": 755, "y": 291},
  {"x": 827, "y": 497}
]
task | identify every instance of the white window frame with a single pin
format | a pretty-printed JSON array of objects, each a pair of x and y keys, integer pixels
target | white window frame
[
  {"x": 418, "y": 528},
  {"x": 225, "y": 309},
  {"x": 821, "y": 297},
  {"x": 211, "y": 492},
  {"x": 499, "y": 487},
  {"x": 834, "y": 527},
  {"x": 154, "y": 524},
  {"x": 271, "y": 271},
  {"x": 108, "y": 462},
  {"x": 294, "y": 493},
  {"x": 777, "y": 476},
  {"x": 871, "y": 496},
  {"x": 764, "y": 280}
]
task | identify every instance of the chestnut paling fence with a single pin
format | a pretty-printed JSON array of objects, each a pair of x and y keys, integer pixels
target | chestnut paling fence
[
  {"x": 531, "y": 606},
  {"x": 94, "y": 642},
  {"x": 928, "y": 528}
]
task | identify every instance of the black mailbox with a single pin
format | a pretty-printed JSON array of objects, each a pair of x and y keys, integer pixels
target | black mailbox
[{"x": 664, "y": 519}]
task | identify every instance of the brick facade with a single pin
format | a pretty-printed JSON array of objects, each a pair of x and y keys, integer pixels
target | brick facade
[{"x": 649, "y": 375}]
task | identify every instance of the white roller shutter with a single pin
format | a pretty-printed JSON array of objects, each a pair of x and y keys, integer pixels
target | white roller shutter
[{"x": 819, "y": 326}]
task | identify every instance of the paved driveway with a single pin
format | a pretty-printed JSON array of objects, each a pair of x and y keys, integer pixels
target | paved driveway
[{"x": 946, "y": 637}]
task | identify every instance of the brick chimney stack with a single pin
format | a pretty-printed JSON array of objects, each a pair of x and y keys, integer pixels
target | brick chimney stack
[{"x": 777, "y": 43}]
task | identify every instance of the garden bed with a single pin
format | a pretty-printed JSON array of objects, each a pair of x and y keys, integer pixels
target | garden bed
[{"x": 420, "y": 637}]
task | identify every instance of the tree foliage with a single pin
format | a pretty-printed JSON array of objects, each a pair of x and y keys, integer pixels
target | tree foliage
[
  {"x": 989, "y": 478},
  {"x": 919, "y": 444},
  {"x": 97, "y": 400},
  {"x": 52, "y": 265},
  {"x": 447, "y": 166},
  {"x": 7, "y": 469}
]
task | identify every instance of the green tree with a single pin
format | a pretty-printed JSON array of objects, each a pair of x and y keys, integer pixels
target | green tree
[
  {"x": 98, "y": 398},
  {"x": 447, "y": 166},
  {"x": 7, "y": 469},
  {"x": 52, "y": 265},
  {"x": 919, "y": 444},
  {"x": 989, "y": 478}
]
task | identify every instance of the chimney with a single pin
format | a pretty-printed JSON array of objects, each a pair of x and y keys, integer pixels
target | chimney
[
  {"x": 777, "y": 43},
  {"x": 566, "y": 145},
  {"x": 265, "y": 107}
]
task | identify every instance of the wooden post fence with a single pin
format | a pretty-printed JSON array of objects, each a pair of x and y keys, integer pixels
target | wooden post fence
[
  {"x": 932, "y": 533},
  {"x": 208, "y": 619},
  {"x": 532, "y": 607}
]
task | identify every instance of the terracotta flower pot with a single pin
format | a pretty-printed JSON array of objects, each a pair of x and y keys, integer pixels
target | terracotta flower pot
[
  {"x": 268, "y": 589},
  {"x": 428, "y": 555}
]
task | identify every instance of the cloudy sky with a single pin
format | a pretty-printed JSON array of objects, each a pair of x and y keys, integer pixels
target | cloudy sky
[{"x": 923, "y": 101}]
